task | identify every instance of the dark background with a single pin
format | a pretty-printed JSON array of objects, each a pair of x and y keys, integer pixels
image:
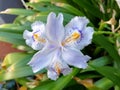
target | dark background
[{"x": 4, "y": 4}]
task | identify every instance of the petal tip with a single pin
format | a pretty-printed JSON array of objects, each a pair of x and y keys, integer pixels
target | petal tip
[
  {"x": 26, "y": 34},
  {"x": 51, "y": 15},
  {"x": 34, "y": 68},
  {"x": 60, "y": 17}
]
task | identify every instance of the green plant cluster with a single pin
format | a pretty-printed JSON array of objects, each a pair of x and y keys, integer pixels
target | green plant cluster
[{"x": 103, "y": 72}]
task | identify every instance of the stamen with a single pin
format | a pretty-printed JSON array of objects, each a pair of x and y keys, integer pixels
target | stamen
[
  {"x": 72, "y": 38},
  {"x": 38, "y": 38},
  {"x": 57, "y": 68},
  {"x": 75, "y": 35}
]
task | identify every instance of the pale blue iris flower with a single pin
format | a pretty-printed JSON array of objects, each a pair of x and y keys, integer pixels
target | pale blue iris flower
[
  {"x": 35, "y": 39},
  {"x": 60, "y": 46}
]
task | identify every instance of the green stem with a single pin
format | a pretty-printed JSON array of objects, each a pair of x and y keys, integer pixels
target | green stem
[{"x": 102, "y": 25}]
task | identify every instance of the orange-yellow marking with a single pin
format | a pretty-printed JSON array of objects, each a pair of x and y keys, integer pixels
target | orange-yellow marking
[
  {"x": 36, "y": 37},
  {"x": 73, "y": 37},
  {"x": 57, "y": 68}
]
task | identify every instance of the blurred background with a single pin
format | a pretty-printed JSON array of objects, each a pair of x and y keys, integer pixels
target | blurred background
[{"x": 5, "y": 4}]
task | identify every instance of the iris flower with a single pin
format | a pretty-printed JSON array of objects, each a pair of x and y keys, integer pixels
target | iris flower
[
  {"x": 59, "y": 46},
  {"x": 35, "y": 39}
]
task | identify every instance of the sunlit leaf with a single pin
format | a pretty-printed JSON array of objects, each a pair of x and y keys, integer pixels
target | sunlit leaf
[
  {"x": 14, "y": 72},
  {"x": 18, "y": 11},
  {"x": 12, "y": 58}
]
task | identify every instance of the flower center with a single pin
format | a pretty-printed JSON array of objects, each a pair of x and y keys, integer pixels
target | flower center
[
  {"x": 38, "y": 38},
  {"x": 75, "y": 36}
]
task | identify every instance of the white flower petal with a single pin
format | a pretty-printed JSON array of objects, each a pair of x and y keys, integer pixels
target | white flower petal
[
  {"x": 36, "y": 38},
  {"x": 54, "y": 27},
  {"x": 57, "y": 66},
  {"x": 66, "y": 71},
  {"x": 27, "y": 34},
  {"x": 52, "y": 74},
  {"x": 38, "y": 26},
  {"x": 75, "y": 58},
  {"x": 86, "y": 38},
  {"x": 41, "y": 60},
  {"x": 78, "y": 25},
  {"x": 29, "y": 42},
  {"x": 36, "y": 46},
  {"x": 79, "y": 22}
]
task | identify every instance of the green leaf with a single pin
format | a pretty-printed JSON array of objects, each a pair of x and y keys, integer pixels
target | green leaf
[
  {"x": 18, "y": 11},
  {"x": 12, "y": 58},
  {"x": 22, "y": 81},
  {"x": 37, "y": 1},
  {"x": 12, "y": 38},
  {"x": 14, "y": 27},
  {"x": 104, "y": 83},
  {"x": 16, "y": 64},
  {"x": 110, "y": 72},
  {"x": 104, "y": 42},
  {"x": 101, "y": 61},
  {"x": 13, "y": 41},
  {"x": 49, "y": 7},
  {"x": 22, "y": 62},
  {"x": 85, "y": 4},
  {"x": 9, "y": 30},
  {"x": 11, "y": 35},
  {"x": 58, "y": 84},
  {"x": 16, "y": 73},
  {"x": 70, "y": 8}
]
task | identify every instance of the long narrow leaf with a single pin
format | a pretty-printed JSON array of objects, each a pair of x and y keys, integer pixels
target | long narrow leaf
[
  {"x": 110, "y": 72},
  {"x": 70, "y": 8},
  {"x": 103, "y": 42},
  {"x": 16, "y": 73},
  {"x": 85, "y": 4},
  {"x": 60, "y": 83},
  {"x": 18, "y": 11}
]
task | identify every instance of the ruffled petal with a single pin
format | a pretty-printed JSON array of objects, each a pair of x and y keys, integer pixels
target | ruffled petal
[
  {"x": 57, "y": 66},
  {"x": 37, "y": 38},
  {"x": 75, "y": 58},
  {"x": 77, "y": 26},
  {"x": 27, "y": 34},
  {"x": 52, "y": 74},
  {"x": 54, "y": 27},
  {"x": 66, "y": 70},
  {"x": 29, "y": 42},
  {"x": 41, "y": 59},
  {"x": 36, "y": 46},
  {"x": 86, "y": 38},
  {"x": 38, "y": 26},
  {"x": 79, "y": 22}
]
